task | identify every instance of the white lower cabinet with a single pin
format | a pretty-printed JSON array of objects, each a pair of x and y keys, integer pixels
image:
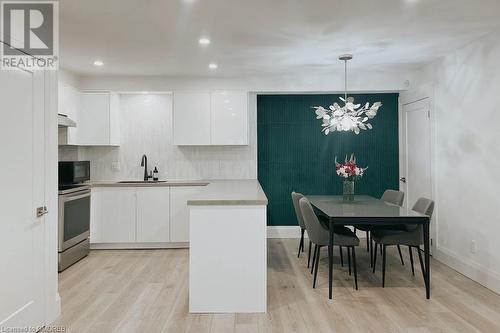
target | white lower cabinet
[
  {"x": 118, "y": 215},
  {"x": 153, "y": 214},
  {"x": 131, "y": 216},
  {"x": 179, "y": 212}
]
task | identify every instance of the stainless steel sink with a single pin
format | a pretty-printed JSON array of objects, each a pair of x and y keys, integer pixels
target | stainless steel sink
[{"x": 141, "y": 181}]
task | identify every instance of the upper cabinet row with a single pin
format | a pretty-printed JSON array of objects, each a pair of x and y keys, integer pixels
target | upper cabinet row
[
  {"x": 199, "y": 118},
  {"x": 210, "y": 118},
  {"x": 96, "y": 115}
]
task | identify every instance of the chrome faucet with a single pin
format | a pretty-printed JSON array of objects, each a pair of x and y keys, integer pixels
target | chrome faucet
[{"x": 144, "y": 163}]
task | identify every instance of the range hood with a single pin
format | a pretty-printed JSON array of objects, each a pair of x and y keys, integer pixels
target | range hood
[{"x": 64, "y": 121}]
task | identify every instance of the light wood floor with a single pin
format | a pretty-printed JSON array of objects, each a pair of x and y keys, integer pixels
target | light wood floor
[{"x": 147, "y": 291}]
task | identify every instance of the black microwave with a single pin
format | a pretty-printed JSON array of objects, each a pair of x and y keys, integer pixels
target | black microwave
[{"x": 73, "y": 172}]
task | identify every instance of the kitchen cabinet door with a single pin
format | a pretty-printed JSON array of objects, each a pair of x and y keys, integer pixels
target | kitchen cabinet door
[
  {"x": 191, "y": 118},
  {"x": 98, "y": 121},
  {"x": 118, "y": 215},
  {"x": 152, "y": 223},
  {"x": 95, "y": 216},
  {"x": 68, "y": 105},
  {"x": 179, "y": 212},
  {"x": 229, "y": 112}
]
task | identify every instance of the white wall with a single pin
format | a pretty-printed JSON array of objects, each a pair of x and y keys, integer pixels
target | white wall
[
  {"x": 360, "y": 80},
  {"x": 146, "y": 128},
  {"x": 465, "y": 89}
]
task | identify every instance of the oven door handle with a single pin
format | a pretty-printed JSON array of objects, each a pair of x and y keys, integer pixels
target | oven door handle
[{"x": 75, "y": 197}]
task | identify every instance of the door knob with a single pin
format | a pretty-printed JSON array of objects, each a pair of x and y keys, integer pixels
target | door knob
[
  {"x": 41, "y": 211},
  {"x": 402, "y": 179}
]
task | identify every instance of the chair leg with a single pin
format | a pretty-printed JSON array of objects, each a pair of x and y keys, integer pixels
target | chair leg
[
  {"x": 375, "y": 257},
  {"x": 301, "y": 243},
  {"x": 421, "y": 261},
  {"x": 401, "y": 255},
  {"x": 367, "y": 241},
  {"x": 314, "y": 257},
  {"x": 411, "y": 260},
  {"x": 384, "y": 253},
  {"x": 316, "y": 267},
  {"x": 380, "y": 249},
  {"x": 341, "y": 256},
  {"x": 349, "y": 258},
  {"x": 309, "y": 256},
  {"x": 354, "y": 267},
  {"x": 371, "y": 252}
]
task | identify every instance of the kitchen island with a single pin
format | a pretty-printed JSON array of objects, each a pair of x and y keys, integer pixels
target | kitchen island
[{"x": 227, "y": 272}]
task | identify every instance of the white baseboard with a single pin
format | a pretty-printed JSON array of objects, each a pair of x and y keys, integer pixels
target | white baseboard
[
  {"x": 137, "y": 246},
  {"x": 472, "y": 270},
  {"x": 284, "y": 231}
]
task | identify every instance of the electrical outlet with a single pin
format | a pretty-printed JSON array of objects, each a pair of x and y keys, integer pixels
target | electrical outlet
[
  {"x": 473, "y": 247},
  {"x": 115, "y": 166}
]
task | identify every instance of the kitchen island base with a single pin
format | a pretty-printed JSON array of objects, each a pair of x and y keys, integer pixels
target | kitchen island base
[{"x": 228, "y": 259}]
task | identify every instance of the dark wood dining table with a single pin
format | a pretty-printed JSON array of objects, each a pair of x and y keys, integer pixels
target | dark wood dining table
[{"x": 367, "y": 210}]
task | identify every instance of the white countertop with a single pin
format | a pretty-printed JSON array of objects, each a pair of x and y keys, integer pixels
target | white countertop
[
  {"x": 230, "y": 192},
  {"x": 168, "y": 183}
]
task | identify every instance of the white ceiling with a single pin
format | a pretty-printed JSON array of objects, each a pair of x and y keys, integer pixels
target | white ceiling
[{"x": 263, "y": 37}]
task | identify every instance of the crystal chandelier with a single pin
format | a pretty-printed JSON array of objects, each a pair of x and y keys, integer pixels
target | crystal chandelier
[{"x": 350, "y": 116}]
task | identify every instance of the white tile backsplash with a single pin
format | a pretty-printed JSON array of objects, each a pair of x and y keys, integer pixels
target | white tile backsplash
[{"x": 146, "y": 128}]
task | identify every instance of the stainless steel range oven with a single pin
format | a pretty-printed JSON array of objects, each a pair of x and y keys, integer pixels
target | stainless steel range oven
[{"x": 74, "y": 213}]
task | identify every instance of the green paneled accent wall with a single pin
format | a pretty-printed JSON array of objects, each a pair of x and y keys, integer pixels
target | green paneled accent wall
[{"x": 294, "y": 155}]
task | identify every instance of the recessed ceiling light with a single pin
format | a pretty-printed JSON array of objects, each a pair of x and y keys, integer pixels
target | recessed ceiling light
[
  {"x": 212, "y": 66},
  {"x": 204, "y": 41},
  {"x": 98, "y": 63}
]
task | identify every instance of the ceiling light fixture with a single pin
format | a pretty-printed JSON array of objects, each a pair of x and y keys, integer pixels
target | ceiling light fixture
[
  {"x": 98, "y": 63},
  {"x": 349, "y": 117},
  {"x": 204, "y": 41},
  {"x": 212, "y": 66}
]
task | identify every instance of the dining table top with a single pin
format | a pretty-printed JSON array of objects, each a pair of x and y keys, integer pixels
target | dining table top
[{"x": 364, "y": 208}]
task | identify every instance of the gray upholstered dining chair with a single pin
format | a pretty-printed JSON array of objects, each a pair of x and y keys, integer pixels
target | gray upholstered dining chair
[
  {"x": 390, "y": 196},
  {"x": 295, "y": 200},
  {"x": 320, "y": 237},
  {"x": 412, "y": 237}
]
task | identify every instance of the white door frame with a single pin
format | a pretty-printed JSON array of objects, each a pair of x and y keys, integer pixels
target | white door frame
[
  {"x": 402, "y": 157},
  {"x": 52, "y": 298}
]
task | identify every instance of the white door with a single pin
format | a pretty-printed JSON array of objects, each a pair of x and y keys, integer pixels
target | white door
[
  {"x": 416, "y": 176},
  {"x": 21, "y": 191}
]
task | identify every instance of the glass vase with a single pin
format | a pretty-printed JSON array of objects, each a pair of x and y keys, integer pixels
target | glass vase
[{"x": 348, "y": 190}]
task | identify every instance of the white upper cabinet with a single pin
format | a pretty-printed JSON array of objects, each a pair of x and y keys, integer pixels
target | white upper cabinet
[
  {"x": 68, "y": 105},
  {"x": 99, "y": 122},
  {"x": 210, "y": 118},
  {"x": 229, "y": 118},
  {"x": 191, "y": 118}
]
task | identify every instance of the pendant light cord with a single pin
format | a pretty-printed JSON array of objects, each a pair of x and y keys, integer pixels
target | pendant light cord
[{"x": 345, "y": 80}]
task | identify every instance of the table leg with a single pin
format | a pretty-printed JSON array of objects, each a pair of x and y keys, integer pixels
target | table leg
[
  {"x": 330, "y": 261},
  {"x": 427, "y": 260}
]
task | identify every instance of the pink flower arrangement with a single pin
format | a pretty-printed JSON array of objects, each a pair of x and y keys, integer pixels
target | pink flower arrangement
[{"x": 349, "y": 170}]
